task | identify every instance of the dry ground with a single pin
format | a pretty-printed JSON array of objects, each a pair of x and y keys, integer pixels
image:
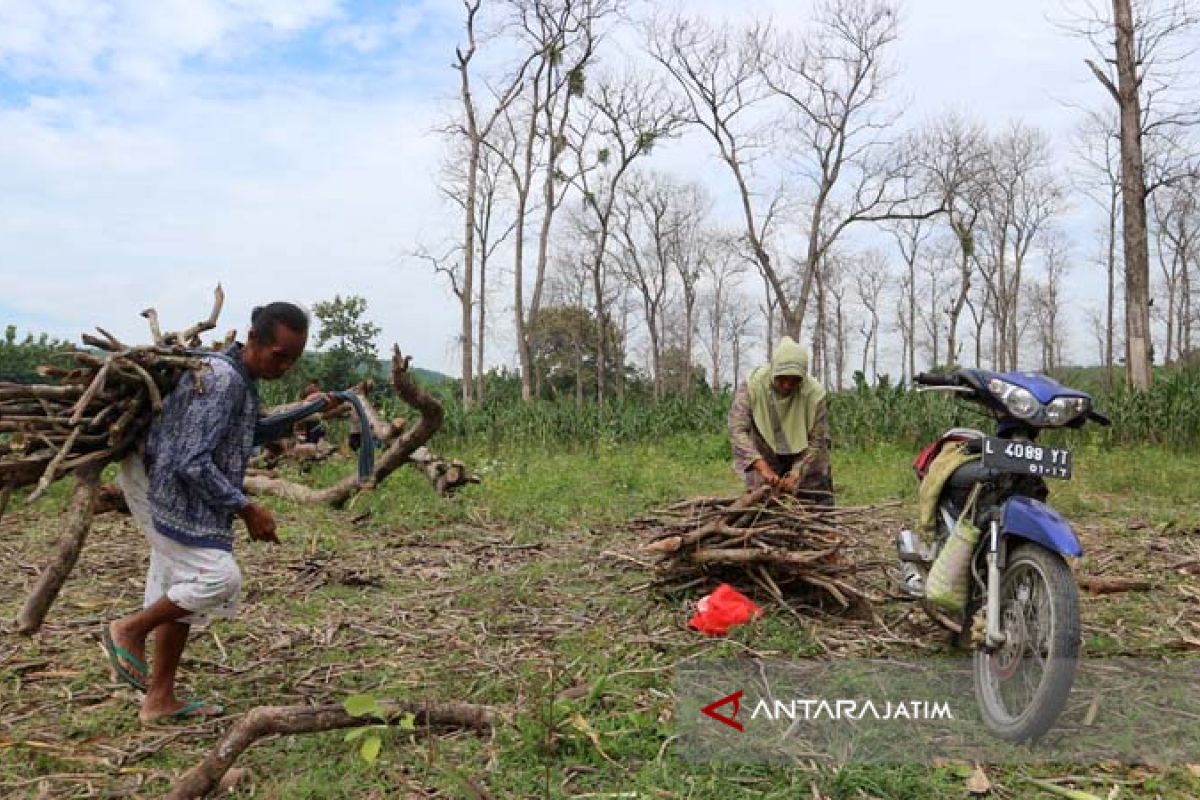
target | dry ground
[{"x": 544, "y": 613}]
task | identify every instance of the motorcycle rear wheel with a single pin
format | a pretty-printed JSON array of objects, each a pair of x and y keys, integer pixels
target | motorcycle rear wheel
[{"x": 1022, "y": 686}]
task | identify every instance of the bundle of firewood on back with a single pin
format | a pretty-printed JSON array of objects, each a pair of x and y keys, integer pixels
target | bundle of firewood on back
[
  {"x": 771, "y": 541},
  {"x": 97, "y": 409}
]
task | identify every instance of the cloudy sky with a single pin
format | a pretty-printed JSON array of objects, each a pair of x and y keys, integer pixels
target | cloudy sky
[{"x": 288, "y": 148}]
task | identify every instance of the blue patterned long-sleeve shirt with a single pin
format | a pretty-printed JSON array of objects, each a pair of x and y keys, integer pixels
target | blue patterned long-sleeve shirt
[{"x": 197, "y": 451}]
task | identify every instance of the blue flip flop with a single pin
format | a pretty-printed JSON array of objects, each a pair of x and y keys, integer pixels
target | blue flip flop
[{"x": 118, "y": 657}]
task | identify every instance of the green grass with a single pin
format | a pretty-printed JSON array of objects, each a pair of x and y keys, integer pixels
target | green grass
[
  {"x": 863, "y": 416},
  {"x": 509, "y": 595}
]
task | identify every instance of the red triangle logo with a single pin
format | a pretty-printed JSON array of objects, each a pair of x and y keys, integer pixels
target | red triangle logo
[{"x": 710, "y": 710}]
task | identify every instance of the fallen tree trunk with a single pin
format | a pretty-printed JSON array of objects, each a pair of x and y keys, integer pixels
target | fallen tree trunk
[
  {"x": 55, "y": 574},
  {"x": 271, "y": 720},
  {"x": 399, "y": 452},
  {"x": 447, "y": 476}
]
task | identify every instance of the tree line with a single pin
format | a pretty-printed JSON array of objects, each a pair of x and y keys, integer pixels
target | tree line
[{"x": 586, "y": 253}]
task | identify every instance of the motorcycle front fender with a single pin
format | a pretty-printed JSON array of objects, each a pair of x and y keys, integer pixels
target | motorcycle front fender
[{"x": 1037, "y": 522}]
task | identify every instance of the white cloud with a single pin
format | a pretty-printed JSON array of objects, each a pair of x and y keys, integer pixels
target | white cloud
[
  {"x": 90, "y": 41},
  {"x": 369, "y": 36},
  {"x": 286, "y": 192}
]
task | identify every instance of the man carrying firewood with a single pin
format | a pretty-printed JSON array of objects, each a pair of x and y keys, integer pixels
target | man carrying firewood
[
  {"x": 184, "y": 493},
  {"x": 778, "y": 428}
]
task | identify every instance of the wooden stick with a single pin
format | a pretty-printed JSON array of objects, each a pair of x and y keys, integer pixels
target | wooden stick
[
  {"x": 94, "y": 388},
  {"x": 271, "y": 720},
  {"x": 112, "y": 340},
  {"x": 751, "y": 555},
  {"x": 21, "y": 391},
  {"x": 48, "y": 476},
  {"x": 52, "y": 578},
  {"x": 148, "y": 380},
  {"x": 1098, "y": 585},
  {"x": 152, "y": 317},
  {"x": 190, "y": 337},
  {"x": 671, "y": 544}
]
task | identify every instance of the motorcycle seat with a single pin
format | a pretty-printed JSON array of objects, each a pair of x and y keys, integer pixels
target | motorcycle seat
[{"x": 968, "y": 475}]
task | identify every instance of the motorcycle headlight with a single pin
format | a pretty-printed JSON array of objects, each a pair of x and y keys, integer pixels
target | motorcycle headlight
[
  {"x": 1065, "y": 409},
  {"x": 1020, "y": 402}
]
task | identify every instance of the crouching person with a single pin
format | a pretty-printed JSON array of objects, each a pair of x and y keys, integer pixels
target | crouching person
[
  {"x": 778, "y": 428},
  {"x": 184, "y": 492}
]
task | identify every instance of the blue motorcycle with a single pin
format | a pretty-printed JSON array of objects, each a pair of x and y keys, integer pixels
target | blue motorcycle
[{"x": 1027, "y": 643}]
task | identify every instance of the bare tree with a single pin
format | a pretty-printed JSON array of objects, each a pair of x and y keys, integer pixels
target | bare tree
[
  {"x": 687, "y": 250},
  {"x": 937, "y": 279},
  {"x": 739, "y": 326},
  {"x": 717, "y": 70},
  {"x": 870, "y": 280},
  {"x": 838, "y": 288},
  {"x": 981, "y": 305},
  {"x": 626, "y": 117},
  {"x": 1139, "y": 63},
  {"x": 476, "y": 127},
  {"x": 490, "y": 231},
  {"x": 952, "y": 158},
  {"x": 1046, "y": 303},
  {"x": 1021, "y": 195},
  {"x": 769, "y": 307},
  {"x": 910, "y": 236},
  {"x": 568, "y": 29},
  {"x": 1177, "y": 217},
  {"x": 833, "y": 83},
  {"x": 643, "y": 218},
  {"x": 721, "y": 267},
  {"x": 1098, "y": 146},
  {"x": 562, "y": 37}
]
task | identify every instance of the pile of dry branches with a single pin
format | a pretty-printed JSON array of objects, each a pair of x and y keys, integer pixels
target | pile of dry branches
[
  {"x": 99, "y": 407},
  {"x": 771, "y": 541}
]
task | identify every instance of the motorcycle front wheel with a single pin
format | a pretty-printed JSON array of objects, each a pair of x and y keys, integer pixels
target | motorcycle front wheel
[{"x": 1022, "y": 686}]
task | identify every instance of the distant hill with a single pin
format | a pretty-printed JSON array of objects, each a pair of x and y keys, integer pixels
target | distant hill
[{"x": 428, "y": 377}]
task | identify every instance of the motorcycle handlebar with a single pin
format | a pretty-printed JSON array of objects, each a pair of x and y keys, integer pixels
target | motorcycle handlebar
[{"x": 929, "y": 379}]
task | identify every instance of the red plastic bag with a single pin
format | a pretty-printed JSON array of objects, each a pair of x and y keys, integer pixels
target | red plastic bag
[{"x": 725, "y": 608}]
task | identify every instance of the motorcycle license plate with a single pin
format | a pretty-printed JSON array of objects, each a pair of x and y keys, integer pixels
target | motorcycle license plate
[{"x": 1027, "y": 458}]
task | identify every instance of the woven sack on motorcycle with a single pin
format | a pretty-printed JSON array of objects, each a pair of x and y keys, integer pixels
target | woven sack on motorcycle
[
  {"x": 950, "y": 576},
  {"x": 951, "y": 458}
]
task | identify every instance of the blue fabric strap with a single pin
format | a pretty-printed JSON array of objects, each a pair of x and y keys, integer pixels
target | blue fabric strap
[{"x": 366, "y": 450}]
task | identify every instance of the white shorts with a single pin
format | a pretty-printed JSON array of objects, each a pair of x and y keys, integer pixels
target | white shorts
[{"x": 202, "y": 580}]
